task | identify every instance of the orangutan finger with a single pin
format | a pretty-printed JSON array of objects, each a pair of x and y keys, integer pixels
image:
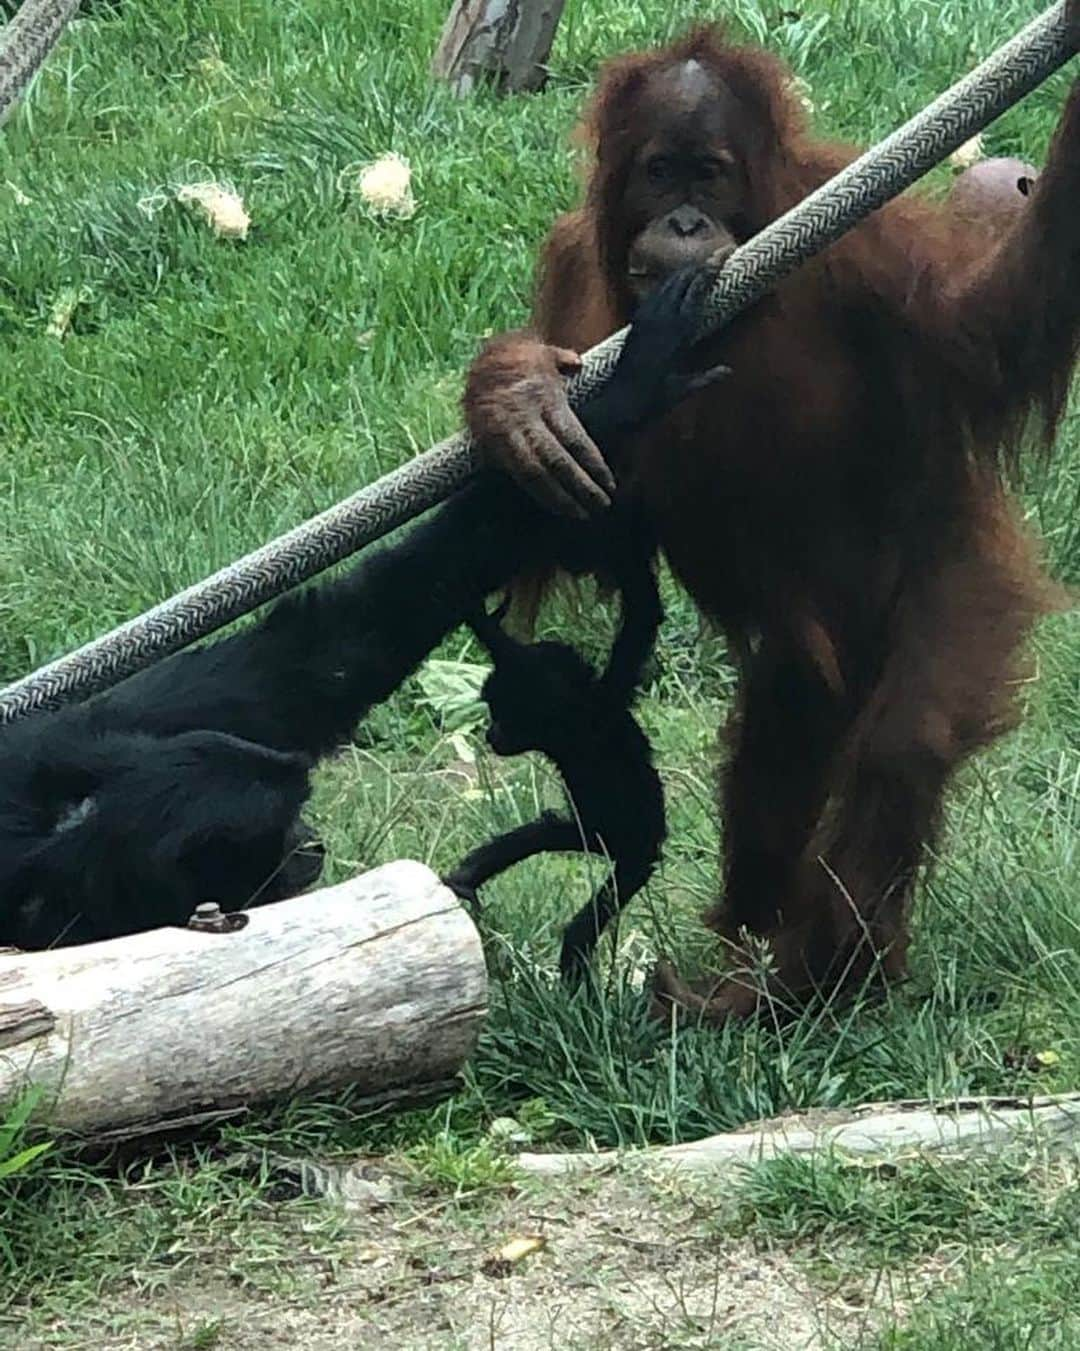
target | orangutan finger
[
  {"x": 531, "y": 472},
  {"x": 567, "y": 361},
  {"x": 573, "y": 436}
]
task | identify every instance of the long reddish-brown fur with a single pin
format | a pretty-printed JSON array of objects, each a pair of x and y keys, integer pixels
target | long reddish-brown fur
[{"x": 837, "y": 504}]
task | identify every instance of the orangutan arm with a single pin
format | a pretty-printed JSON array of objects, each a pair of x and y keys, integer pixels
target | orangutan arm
[
  {"x": 515, "y": 397},
  {"x": 1018, "y": 306}
]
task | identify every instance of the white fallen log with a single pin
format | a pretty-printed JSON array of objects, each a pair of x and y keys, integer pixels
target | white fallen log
[
  {"x": 378, "y": 984},
  {"x": 876, "y": 1132}
]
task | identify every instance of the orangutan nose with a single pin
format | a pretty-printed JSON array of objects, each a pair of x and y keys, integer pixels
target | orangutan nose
[{"x": 686, "y": 222}]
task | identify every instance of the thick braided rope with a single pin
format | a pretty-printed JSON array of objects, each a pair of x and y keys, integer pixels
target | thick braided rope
[
  {"x": 1013, "y": 71},
  {"x": 25, "y": 43}
]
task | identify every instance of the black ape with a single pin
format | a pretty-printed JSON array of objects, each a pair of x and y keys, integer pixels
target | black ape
[
  {"x": 107, "y": 808},
  {"x": 544, "y": 697},
  {"x": 109, "y": 828},
  {"x": 185, "y": 782}
]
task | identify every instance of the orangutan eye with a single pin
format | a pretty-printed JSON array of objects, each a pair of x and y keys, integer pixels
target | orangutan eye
[{"x": 713, "y": 166}]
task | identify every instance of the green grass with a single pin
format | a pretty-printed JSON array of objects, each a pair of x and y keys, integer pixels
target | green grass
[
  {"x": 1018, "y": 1303},
  {"x": 897, "y": 1212},
  {"x": 982, "y": 1253},
  {"x": 212, "y": 393}
]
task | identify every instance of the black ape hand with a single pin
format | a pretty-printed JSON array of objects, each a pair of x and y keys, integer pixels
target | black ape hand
[{"x": 655, "y": 369}]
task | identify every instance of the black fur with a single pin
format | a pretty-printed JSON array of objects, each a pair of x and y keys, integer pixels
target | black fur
[
  {"x": 113, "y": 827},
  {"x": 185, "y": 783},
  {"x": 544, "y": 697}
]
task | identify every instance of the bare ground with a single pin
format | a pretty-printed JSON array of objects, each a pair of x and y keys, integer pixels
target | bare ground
[{"x": 626, "y": 1262}]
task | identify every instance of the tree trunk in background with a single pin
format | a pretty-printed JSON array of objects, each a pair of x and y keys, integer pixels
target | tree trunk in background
[{"x": 502, "y": 42}]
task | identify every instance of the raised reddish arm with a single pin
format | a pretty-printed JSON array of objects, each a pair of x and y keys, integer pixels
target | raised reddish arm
[{"x": 1023, "y": 296}]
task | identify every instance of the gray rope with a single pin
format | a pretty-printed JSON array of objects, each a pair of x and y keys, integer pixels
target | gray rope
[
  {"x": 25, "y": 43},
  {"x": 1013, "y": 71}
]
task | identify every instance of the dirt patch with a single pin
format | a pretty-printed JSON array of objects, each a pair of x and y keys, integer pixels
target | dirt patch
[{"x": 626, "y": 1263}]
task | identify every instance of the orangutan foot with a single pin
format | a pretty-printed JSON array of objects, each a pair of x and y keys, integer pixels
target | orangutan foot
[{"x": 712, "y": 999}]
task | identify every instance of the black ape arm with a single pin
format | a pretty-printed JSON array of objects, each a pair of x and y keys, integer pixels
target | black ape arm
[
  {"x": 642, "y": 614},
  {"x": 655, "y": 370},
  {"x": 301, "y": 678}
]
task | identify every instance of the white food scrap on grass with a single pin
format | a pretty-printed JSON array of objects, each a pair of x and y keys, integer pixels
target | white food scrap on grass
[
  {"x": 383, "y": 185},
  {"x": 63, "y": 310},
  {"x": 964, "y": 156},
  {"x": 802, "y": 91},
  {"x": 222, "y": 206}
]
